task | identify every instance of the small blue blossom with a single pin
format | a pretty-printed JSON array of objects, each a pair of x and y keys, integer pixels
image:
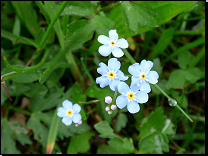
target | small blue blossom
[
  {"x": 111, "y": 75},
  {"x": 69, "y": 112},
  {"x": 112, "y": 44},
  {"x": 142, "y": 76},
  {"x": 130, "y": 97}
]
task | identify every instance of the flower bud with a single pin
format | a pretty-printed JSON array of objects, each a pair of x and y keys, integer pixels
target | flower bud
[
  {"x": 109, "y": 112},
  {"x": 113, "y": 107},
  {"x": 108, "y": 99},
  {"x": 107, "y": 108},
  {"x": 80, "y": 122}
]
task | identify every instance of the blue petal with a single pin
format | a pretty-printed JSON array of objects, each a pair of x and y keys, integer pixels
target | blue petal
[
  {"x": 61, "y": 112},
  {"x": 114, "y": 64},
  {"x": 103, "y": 69},
  {"x": 67, "y": 104},
  {"x": 134, "y": 87},
  {"x": 146, "y": 65},
  {"x": 103, "y": 81},
  {"x": 145, "y": 87},
  {"x": 135, "y": 80},
  {"x": 152, "y": 77},
  {"x": 121, "y": 75},
  {"x": 122, "y": 43},
  {"x": 134, "y": 69},
  {"x": 76, "y": 108},
  {"x": 133, "y": 107},
  {"x": 117, "y": 52},
  {"x": 123, "y": 88},
  {"x": 141, "y": 97},
  {"x": 67, "y": 120},
  {"x": 114, "y": 84},
  {"x": 104, "y": 50},
  {"x": 121, "y": 101},
  {"x": 76, "y": 118},
  {"x": 113, "y": 35},
  {"x": 103, "y": 39}
]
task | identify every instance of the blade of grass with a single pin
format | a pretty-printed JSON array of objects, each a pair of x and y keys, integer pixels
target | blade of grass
[
  {"x": 44, "y": 11},
  {"x": 184, "y": 48},
  {"x": 198, "y": 58},
  {"x": 17, "y": 39}
]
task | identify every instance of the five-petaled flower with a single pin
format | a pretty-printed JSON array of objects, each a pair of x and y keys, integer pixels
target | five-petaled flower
[
  {"x": 111, "y": 75},
  {"x": 130, "y": 97},
  {"x": 142, "y": 76},
  {"x": 112, "y": 44},
  {"x": 69, "y": 112}
]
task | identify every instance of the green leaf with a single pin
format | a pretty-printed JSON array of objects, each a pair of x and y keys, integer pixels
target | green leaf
[
  {"x": 133, "y": 13},
  {"x": 193, "y": 74},
  {"x": 79, "y": 8},
  {"x": 168, "y": 128},
  {"x": 105, "y": 130},
  {"x": 121, "y": 122},
  {"x": 17, "y": 89},
  {"x": 165, "y": 12},
  {"x": 80, "y": 31},
  {"x": 184, "y": 59},
  {"x": 26, "y": 78},
  {"x": 40, "y": 131},
  {"x": 36, "y": 88},
  {"x": 155, "y": 123},
  {"x": 102, "y": 24},
  {"x": 98, "y": 93},
  {"x": 176, "y": 79},
  {"x": 7, "y": 143},
  {"x": 80, "y": 143},
  {"x": 155, "y": 143},
  {"x": 27, "y": 15},
  {"x": 124, "y": 146},
  {"x": 105, "y": 149},
  {"x": 40, "y": 103},
  {"x": 163, "y": 43}
]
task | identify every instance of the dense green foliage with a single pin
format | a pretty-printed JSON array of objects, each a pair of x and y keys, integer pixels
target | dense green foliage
[{"x": 49, "y": 53}]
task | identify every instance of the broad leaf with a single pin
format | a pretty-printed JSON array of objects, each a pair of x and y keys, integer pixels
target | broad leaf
[
  {"x": 80, "y": 143},
  {"x": 121, "y": 122},
  {"x": 105, "y": 130},
  {"x": 134, "y": 13}
]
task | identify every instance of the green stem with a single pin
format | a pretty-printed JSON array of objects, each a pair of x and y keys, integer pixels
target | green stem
[
  {"x": 172, "y": 101},
  {"x": 27, "y": 69},
  {"x": 88, "y": 102},
  {"x": 86, "y": 70},
  {"x": 50, "y": 28}
]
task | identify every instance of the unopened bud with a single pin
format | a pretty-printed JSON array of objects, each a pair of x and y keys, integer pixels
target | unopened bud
[
  {"x": 108, "y": 99},
  {"x": 107, "y": 108},
  {"x": 113, "y": 107},
  {"x": 109, "y": 112}
]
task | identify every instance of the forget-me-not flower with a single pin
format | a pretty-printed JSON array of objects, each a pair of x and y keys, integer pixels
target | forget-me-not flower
[
  {"x": 69, "y": 112},
  {"x": 111, "y": 75},
  {"x": 112, "y": 44},
  {"x": 130, "y": 97},
  {"x": 142, "y": 76}
]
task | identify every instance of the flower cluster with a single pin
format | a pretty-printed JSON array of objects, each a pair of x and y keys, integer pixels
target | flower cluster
[{"x": 114, "y": 77}]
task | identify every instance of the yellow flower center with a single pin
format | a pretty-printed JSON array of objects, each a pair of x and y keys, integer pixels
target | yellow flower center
[
  {"x": 131, "y": 95},
  {"x": 143, "y": 76},
  {"x": 111, "y": 75},
  {"x": 112, "y": 43},
  {"x": 69, "y": 112}
]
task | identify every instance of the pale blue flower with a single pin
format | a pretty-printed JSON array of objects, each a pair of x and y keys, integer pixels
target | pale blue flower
[
  {"x": 69, "y": 112},
  {"x": 130, "y": 97},
  {"x": 111, "y": 75},
  {"x": 142, "y": 76},
  {"x": 112, "y": 44}
]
